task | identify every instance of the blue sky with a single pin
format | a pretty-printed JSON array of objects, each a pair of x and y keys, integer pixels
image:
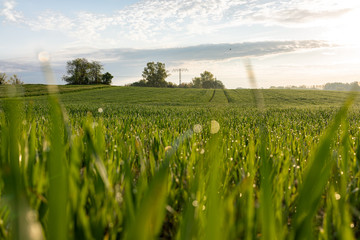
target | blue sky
[{"x": 290, "y": 42}]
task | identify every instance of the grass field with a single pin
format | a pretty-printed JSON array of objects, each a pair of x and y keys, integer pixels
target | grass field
[{"x": 147, "y": 163}]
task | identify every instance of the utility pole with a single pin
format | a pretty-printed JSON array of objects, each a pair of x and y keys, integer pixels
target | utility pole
[{"x": 180, "y": 70}]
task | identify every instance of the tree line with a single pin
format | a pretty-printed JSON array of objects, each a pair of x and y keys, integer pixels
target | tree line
[
  {"x": 337, "y": 86},
  {"x": 80, "y": 71},
  {"x": 334, "y": 86},
  {"x": 154, "y": 75}
]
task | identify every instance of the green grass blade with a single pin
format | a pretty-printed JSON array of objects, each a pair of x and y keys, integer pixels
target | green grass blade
[
  {"x": 58, "y": 174},
  {"x": 316, "y": 177},
  {"x": 150, "y": 215}
]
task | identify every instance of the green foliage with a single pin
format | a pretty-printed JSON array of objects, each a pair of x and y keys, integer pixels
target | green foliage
[
  {"x": 13, "y": 80},
  {"x": 154, "y": 75},
  {"x": 207, "y": 80},
  {"x": 81, "y": 71},
  {"x": 3, "y": 78},
  {"x": 107, "y": 78},
  {"x": 151, "y": 163}
]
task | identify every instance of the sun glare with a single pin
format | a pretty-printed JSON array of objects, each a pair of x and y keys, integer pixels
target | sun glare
[{"x": 344, "y": 30}]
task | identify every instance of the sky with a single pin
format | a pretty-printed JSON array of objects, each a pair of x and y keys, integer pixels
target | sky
[{"x": 289, "y": 42}]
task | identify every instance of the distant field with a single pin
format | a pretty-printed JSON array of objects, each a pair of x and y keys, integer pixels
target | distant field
[
  {"x": 148, "y": 163},
  {"x": 110, "y": 95}
]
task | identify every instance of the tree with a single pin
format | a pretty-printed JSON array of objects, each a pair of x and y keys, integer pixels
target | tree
[
  {"x": 155, "y": 74},
  {"x": 78, "y": 71},
  {"x": 106, "y": 78},
  {"x": 207, "y": 80},
  {"x": 81, "y": 71},
  {"x": 3, "y": 78},
  {"x": 95, "y": 76}
]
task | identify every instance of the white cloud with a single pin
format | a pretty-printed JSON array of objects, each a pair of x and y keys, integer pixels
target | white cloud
[
  {"x": 10, "y": 13},
  {"x": 297, "y": 13},
  {"x": 167, "y": 22},
  {"x": 51, "y": 21},
  {"x": 135, "y": 59}
]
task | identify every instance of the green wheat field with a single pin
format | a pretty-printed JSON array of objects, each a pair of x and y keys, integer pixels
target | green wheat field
[{"x": 101, "y": 162}]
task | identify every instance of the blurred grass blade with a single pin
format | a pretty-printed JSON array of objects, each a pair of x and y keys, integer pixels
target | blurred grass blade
[
  {"x": 267, "y": 211},
  {"x": 257, "y": 94},
  {"x": 316, "y": 177},
  {"x": 10, "y": 167},
  {"x": 58, "y": 181}
]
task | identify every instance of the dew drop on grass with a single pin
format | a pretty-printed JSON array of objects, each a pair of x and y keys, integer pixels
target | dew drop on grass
[
  {"x": 337, "y": 196},
  {"x": 168, "y": 148},
  {"x": 34, "y": 227},
  {"x": 197, "y": 128},
  {"x": 214, "y": 127}
]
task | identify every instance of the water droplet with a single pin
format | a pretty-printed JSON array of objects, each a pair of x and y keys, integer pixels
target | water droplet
[
  {"x": 337, "y": 196},
  {"x": 214, "y": 127},
  {"x": 195, "y": 203},
  {"x": 197, "y": 128}
]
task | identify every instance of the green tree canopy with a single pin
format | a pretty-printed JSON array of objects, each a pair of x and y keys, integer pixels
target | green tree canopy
[
  {"x": 155, "y": 74},
  {"x": 81, "y": 71},
  {"x": 107, "y": 78},
  {"x": 207, "y": 80},
  {"x": 3, "y": 78}
]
